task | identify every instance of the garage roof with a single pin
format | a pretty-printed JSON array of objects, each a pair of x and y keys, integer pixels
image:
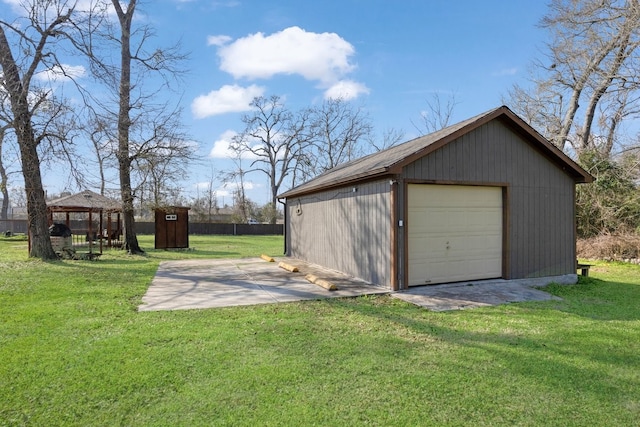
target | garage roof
[{"x": 392, "y": 160}]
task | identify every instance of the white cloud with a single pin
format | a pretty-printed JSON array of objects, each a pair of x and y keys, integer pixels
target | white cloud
[
  {"x": 60, "y": 73},
  {"x": 505, "y": 72},
  {"x": 15, "y": 4},
  {"x": 221, "y": 149},
  {"x": 202, "y": 185},
  {"x": 322, "y": 57},
  {"x": 221, "y": 192},
  {"x": 227, "y": 3},
  {"x": 229, "y": 187},
  {"x": 228, "y": 99},
  {"x": 346, "y": 89},
  {"x": 218, "y": 40},
  {"x": 248, "y": 185}
]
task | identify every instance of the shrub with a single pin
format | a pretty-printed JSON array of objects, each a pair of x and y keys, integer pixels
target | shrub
[
  {"x": 611, "y": 204},
  {"x": 610, "y": 247}
]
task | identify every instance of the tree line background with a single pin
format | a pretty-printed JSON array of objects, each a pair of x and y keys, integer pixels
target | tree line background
[{"x": 582, "y": 93}]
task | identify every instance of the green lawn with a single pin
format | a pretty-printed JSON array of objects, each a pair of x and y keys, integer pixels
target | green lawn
[{"x": 74, "y": 351}]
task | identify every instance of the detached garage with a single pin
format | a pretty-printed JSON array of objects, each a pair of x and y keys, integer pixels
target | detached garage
[{"x": 486, "y": 198}]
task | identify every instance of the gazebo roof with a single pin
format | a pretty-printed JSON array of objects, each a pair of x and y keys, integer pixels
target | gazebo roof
[{"x": 84, "y": 201}]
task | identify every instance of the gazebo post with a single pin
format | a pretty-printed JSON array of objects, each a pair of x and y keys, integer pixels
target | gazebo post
[
  {"x": 90, "y": 235},
  {"x": 109, "y": 228},
  {"x": 100, "y": 229},
  {"x": 67, "y": 222}
]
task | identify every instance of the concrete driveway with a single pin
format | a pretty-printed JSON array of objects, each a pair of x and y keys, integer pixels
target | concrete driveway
[
  {"x": 246, "y": 281},
  {"x": 197, "y": 284}
]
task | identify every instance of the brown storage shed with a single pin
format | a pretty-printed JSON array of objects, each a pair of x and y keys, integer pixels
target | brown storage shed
[
  {"x": 172, "y": 228},
  {"x": 486, "y": 198}
]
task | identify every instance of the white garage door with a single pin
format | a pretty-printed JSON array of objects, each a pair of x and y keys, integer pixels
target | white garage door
[{"x": 454, "y": 232}]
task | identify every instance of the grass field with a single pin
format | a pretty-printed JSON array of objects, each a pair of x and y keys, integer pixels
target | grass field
[{"x": 74, "y": 351}]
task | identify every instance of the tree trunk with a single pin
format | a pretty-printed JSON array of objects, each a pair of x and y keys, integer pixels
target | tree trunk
[
  {"x": 621, "y": 55},
  {"x": 37, "y": 221},
  {"x": 4, "y": 210},
  {"x": 613, "y": 127},
  {"x": 124, "y": 122},
  {"x": 36, "y": 204},
  {"x": 274, "y": 192}
]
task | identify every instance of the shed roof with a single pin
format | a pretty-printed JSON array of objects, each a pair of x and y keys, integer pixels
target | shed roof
[
  {"x": 392, "y": 160},
  {"x": 84, "y": 201}
]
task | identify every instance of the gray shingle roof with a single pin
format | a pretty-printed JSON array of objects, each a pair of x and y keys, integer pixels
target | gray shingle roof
[
  {"x": 391, "y": 160},
  {"x": 85, "y": 200}
]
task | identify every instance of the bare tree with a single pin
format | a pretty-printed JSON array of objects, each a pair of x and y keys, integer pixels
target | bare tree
[
  {"x": 273, "y": 139},
  {"x": 235, "y": 178},
  {"x": 161, "y": 171},
  {"x": 590, "y": 67},
  {"x": 5, "y": 126},
  {"x": 205, "y": 206},
  {"x": 210, "y": 198},
  {"x": 124, "y": 124},
  {"x": 4, "y": 176},
  {"x": 241, "y": 205},
  {"x": 148, "y": 131},
  {"x": 390, "y": 138},
  {"x": 437, "y": 114},
  {"x": 339, "y": 132},
  {"x": 36, "y": 42},
  {"x": 99, "y": 132}
]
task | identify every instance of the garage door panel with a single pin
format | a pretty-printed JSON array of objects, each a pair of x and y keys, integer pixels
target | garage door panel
[
  {"x": 463, "y": 220},
  {"x": 455, "y": 233}
]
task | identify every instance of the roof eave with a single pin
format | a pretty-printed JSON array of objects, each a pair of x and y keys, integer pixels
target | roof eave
[{"x": 372, "y": 174}]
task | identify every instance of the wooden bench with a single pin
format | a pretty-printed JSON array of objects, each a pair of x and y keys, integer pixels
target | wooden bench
[{"x": 584, "y": 269}]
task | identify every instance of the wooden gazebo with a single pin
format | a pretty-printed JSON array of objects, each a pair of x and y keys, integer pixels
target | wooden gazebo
[{"x": 94, "y": 220}]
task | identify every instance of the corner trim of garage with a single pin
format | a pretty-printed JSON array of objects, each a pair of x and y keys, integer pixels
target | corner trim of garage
[{"x": 394, "y": 235}]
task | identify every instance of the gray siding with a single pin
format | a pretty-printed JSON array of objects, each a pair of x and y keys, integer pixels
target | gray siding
[
  {"x": 344, "y": 230},
  {"x": 540, "y": 203}
]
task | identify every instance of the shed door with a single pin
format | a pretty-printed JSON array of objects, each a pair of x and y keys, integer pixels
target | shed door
[{"x": 454, "y": 233}]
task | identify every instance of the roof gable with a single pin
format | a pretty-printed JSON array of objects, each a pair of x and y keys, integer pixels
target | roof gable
[{"x": 392, "y": 160}]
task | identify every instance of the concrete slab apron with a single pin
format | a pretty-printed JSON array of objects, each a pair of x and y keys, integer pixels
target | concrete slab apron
[
  {"x": 195, "y": 284},
  {"x": 458, "y": 296}
]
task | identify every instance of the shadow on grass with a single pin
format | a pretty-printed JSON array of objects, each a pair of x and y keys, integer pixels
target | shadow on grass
[
  {"x": 197, "y": 253},
  {"x": 97, "y": 263},
  {"x": 585, "y": 356},
  {"x": 597, "y": 299}
]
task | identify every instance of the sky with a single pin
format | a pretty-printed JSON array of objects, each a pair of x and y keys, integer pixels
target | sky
[{"x": 388, "y": 57}]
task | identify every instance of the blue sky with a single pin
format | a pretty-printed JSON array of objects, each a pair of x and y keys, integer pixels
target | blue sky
[{"x": 387, "y": 56}]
